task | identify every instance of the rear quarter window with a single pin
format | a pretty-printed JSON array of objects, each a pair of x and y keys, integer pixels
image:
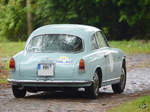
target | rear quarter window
[{"x": 94, "y": 44}]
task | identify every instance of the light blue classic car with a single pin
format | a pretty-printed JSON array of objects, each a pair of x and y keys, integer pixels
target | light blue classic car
[{"x": 68, "y": 56}]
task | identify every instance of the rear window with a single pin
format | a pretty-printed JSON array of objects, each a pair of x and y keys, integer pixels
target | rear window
[{"x": 55, "y": 43}]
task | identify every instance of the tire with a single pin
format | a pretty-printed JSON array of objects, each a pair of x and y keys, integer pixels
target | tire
[
  {"x": 119, "y": 87},
  {"x": 93, "y": 90},
  {"x": 18, "y": 93}
]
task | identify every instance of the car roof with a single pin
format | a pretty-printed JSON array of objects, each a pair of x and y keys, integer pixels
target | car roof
[{"x": 82, "y": 31}]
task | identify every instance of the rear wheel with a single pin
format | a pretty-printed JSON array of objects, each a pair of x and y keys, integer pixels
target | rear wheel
[
  {"x": 119, "y": 87},
  {"x": 18, "y": 92},
  {"x": 93, "y": 90}
]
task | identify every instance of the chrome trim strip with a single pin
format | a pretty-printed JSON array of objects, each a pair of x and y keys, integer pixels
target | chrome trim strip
[
  {"x": 118, "y": 78},
  {"x": 49, "y": 81}
]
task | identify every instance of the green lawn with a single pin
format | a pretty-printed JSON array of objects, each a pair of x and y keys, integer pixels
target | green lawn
[
  {"x": 141, "y": 104},
  {"x": 132, "y": 46},
  {"x": 8, "y": 49},
  {"x": 3, "y": 81}
]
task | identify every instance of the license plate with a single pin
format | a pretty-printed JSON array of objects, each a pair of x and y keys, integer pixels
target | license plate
[{"x": 45, "y": 69}]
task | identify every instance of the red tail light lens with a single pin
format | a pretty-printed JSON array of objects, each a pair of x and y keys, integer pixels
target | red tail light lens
[
  {"x": 12, "y": 64},
  {"x": 81, "y": 65}
]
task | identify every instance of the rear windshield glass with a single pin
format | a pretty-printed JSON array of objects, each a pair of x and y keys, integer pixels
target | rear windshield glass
[{"x": 55, "y": 43}]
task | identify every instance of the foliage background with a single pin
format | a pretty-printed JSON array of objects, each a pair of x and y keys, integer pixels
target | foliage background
[{"x": 120, "y": 19}]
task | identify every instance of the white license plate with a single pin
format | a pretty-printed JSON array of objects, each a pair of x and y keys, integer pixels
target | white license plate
[{"x": 45, "y": 69}]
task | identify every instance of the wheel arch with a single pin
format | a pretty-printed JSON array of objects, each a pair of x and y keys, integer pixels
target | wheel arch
[
  {"x": 124, "y": 63},
  {"x": 100, "y": 75}
]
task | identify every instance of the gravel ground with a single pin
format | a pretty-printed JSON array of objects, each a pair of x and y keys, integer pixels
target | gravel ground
[{"x": 138, "y": 67}]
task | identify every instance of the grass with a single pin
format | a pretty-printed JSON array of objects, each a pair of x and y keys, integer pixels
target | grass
[
  {"x": 8, "y": 49},
  {"x": 141, "y": 104},
  {"x": 3, "y": 81},
  {"x": 132, "y": 46}
]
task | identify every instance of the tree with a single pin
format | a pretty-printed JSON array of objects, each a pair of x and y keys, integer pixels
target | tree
[
  {"x": 12, "y": 20},
  {"x": 29, "y": 16},
  {"x": 137, "y": 14},
  {"x": 120, "y": 19}
]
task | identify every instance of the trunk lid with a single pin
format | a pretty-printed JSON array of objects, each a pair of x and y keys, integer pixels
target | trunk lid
[{"x": 63, "y": 64}]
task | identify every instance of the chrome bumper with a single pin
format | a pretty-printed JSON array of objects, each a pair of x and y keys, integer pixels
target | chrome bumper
[{"x": 48, "y": 82}]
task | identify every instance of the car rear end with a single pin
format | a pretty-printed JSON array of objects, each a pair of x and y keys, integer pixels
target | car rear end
[{"x": 51, "y": 61}]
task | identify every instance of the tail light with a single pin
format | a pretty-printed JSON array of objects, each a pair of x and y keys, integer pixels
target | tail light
[
  {"x": 81, "y": 65},
  {"x": 12, "y": 64}
]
